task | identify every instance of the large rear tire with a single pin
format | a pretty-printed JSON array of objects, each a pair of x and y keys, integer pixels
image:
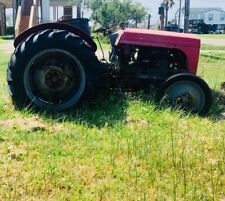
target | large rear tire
[
  {"x": 187, "y": 92},
  {"x": 52, "y": 70}
]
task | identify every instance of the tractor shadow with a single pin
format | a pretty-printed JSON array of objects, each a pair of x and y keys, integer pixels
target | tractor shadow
[
  {"x": 110, "y": 109},
  {"x": 107, "y": 110}
]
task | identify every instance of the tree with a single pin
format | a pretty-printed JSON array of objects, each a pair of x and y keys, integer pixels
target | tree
[
  {"x": 113, "y": 12},
  {"x": 167, "y": 5}
]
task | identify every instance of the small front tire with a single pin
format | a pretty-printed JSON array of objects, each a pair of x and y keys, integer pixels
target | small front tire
[{"x": 187, "y": 92}]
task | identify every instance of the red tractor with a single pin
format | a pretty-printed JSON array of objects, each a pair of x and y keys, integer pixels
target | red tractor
[{"x": 54, "y": 66}]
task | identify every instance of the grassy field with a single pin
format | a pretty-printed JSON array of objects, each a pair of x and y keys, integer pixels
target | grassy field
[
  {"x": 213, "y": 36},
  {"x": 124, "y": 147},
  {"x": 212, "y": 47}
]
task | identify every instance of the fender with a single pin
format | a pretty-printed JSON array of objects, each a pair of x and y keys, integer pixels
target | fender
[{"x": 59, "y": 26}]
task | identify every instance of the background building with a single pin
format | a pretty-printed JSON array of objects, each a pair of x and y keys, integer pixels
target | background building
[{"x": 214, "y": 18}]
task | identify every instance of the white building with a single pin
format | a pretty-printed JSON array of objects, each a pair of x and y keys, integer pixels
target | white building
[
  {"x": 9, "y": 17},
  {"x": 55, "y": 12},
  {"x": 210, "y": 16}
]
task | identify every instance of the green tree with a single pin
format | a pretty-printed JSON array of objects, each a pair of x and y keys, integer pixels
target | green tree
[
  {"x": 114, "y": 12},
  {"x": 167, "y": 5}
]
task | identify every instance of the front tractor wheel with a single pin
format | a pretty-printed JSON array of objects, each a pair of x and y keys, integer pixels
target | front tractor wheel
[
  {"x": 52, "y": 70},
  {"x": 187, "y": 92}
]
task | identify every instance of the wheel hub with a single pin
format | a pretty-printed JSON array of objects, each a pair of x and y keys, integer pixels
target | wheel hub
[
  {"x": 55, "y": 78},
  {"x": 185, "y": 100}
]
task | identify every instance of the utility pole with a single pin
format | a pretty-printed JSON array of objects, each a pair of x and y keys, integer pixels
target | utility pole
[
  {"x": 186, "y": 15},
  {"x": 149, "y": 21},
  {"x": 79, "y": 10},
  {"x": 2, "y": 19},
  {"x": 14, "y": 13},
  {"x": 45, "y": 11},
  {"x": 166, "y": 5},
  {"x": 180, "y": 9},
  {"x": 162, "y": 17}
]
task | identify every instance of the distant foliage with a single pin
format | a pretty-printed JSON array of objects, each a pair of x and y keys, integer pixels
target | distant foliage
[
  {"x": 167, "y": 4},
  {"x": 10, "y": 30},
  {"x": 111, "y": 12}
]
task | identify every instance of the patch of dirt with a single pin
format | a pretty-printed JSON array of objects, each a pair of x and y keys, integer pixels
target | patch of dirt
[
  {"x": 212, "y": 41},
  {"x": 132, "y": 123},
  {"x": 16, "y": 153},
  {"x": 222, "y": 198},
  {"x": 30, "y": 124},
  {"x": 7, "y": 47},
  {"x": 56, "y": 128}
]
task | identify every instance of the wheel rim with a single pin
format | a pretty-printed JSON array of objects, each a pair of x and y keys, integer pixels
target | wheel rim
[
  {"x": 186, "y": 95},
  {"x": 54, "y": 78}
]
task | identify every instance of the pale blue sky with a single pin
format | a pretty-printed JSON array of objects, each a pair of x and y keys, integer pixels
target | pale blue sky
[{"x": 153, "y": 5}]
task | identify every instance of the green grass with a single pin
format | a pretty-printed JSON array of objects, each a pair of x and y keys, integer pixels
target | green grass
[
  {"x": 212, "y": 47},
  {"x": 124, "y": 147},
  {"x": 212, "y": 36},
  {"x": 7, "y": 37},
  {"x": 103, "y": 41},
  {"x": 4, "y": 39}
]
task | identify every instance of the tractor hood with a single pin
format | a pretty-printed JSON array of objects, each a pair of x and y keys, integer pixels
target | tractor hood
[{"x": 144, "y": 37}]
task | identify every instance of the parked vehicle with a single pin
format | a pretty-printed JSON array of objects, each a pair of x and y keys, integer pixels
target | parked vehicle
[
  {"x": 199, "y": 27},
  {"x": 173, "y": 28}
]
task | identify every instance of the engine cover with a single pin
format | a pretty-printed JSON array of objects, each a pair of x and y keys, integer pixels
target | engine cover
[{"x": 187, "y": 43}]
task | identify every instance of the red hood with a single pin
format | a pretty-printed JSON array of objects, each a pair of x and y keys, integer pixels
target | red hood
[
  {"x": 147, "y": 37},
  {"x": 187, "y": 43}
]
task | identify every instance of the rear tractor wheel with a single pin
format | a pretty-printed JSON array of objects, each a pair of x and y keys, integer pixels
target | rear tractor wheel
[
  {"x": 52, "y": 70},
  {"x": 55, "y": 78},
  {"x": 187, "y": 92}
]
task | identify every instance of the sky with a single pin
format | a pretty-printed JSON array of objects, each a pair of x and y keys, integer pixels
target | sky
[{"x": 152, "y": 6}]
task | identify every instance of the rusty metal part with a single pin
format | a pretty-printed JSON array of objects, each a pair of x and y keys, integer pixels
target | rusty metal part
[{"x": 59, "y": 26}]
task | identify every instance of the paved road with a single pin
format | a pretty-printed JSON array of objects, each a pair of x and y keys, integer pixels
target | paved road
[
  {"x": 210, "y": 41},
  {"x": 7, "y": 47}
]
